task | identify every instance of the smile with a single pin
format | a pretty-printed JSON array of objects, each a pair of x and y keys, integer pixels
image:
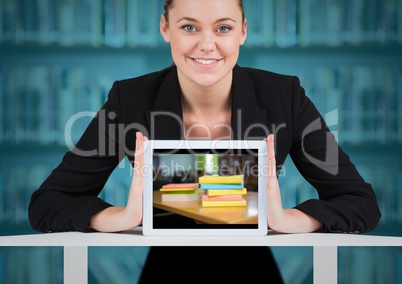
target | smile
[{"x": 205, "y": 61}]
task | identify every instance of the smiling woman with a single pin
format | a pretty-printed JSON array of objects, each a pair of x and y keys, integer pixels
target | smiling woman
[
  {"x": 205, "y": 39},
  {"x": 207, "y": 95},
  {"x": 204, "y": 49}
]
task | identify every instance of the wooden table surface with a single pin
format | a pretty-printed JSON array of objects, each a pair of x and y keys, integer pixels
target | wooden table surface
[{"x": 212, "y": 215}]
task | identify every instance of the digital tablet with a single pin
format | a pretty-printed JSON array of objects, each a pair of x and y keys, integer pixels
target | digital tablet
[{"x": 205, "y": 188}]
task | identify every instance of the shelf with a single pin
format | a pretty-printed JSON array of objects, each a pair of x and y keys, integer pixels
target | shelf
[
  {"x": 386, "y": 49},
  {"x": 33, "y": 49},
  {"x": 387, "y": 229},
  {"x": 373, "y": 148},
  {"x": 7, "y": 149},
  {"x": 127, "y": 62},
  {"x": 9, "y": 229}
]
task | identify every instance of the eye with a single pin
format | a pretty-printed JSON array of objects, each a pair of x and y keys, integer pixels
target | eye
[
  {"x": 189, "y": 28},
  {"x": 224, "y": 29}
]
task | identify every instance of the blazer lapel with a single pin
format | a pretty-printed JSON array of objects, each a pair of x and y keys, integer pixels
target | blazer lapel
[
  {"x": 165, "y": 120},
  {"x": 249, "y": 121}
]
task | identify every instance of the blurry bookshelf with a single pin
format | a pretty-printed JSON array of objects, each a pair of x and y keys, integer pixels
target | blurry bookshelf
[
  {"x": 237, "y": 164},
  {"x": 60, "y": 58},
  {"x": 115, "y": 264},
  {"x": 379, "y": 265},
  {"x": 21, "y": 265}
]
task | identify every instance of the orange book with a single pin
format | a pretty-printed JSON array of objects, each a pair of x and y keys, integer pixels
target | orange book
[
  {"x": 181, "y": 185},
  {"x": 184, "y": 187}
]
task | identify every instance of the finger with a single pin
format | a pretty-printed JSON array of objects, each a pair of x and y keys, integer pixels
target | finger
[
  {"x": 271, "y": 148},
  {"x": 139, "y": 157},
  {"x": 134, "y": 202},
  {"x": 140, "y": 147},
  {"x": 144, "y": 138},
  {"x": 138, "y": 143},
  {"x": 274, "y": 202},
  {"x": 272, "y": 185},
  {"x": 271, "y": 156},
  {"x": 137, "y": 181}
]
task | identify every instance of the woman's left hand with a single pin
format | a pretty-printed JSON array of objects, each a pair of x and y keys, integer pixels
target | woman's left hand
[{"x": 279, "y": 219}]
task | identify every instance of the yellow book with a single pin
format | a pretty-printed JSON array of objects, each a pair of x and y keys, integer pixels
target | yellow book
[
  {"x": 215, "y": 192},
  {"x": 228, "y": 203},
  {"x": 221, "y": 179}
]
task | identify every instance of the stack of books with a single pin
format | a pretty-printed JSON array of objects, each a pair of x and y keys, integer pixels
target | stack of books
[
  {"x": 180, "y": 192},
  {"x": 223, "y": 191}
]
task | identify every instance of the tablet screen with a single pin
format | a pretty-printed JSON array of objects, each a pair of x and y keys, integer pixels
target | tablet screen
[
  {"x": 205, "y": 189},
  {"x": 196, "y": 188}
]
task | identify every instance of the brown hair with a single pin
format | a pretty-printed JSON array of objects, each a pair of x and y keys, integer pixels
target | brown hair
[{"x": 169, "y": 5}]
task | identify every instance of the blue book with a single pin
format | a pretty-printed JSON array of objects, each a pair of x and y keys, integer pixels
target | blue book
[{"x": 222, "y": 186}]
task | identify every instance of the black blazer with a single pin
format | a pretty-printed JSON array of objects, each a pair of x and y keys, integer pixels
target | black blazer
[{"x": 262, "y": 102}]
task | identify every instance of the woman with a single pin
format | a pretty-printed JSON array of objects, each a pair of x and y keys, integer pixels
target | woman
[{"x": 206, "y": 95}]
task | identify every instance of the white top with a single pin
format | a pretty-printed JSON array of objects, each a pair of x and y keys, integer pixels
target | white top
[{"x": 136, "y": 238}]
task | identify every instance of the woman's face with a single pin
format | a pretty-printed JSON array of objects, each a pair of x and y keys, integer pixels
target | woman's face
[{"x": 205, "y": 38}]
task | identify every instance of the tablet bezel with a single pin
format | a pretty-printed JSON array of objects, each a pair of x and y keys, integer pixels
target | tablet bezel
[{"x": 150, "y": 145}]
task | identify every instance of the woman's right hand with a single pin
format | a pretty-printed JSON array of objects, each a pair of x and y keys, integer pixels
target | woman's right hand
[{"x": 117, "y": 218}]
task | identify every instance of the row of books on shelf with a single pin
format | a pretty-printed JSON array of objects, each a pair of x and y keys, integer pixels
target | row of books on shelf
[
  {"x": 387, "y": 184},
  {"x": 119, "y": 23},
  {"x": 369, "y": 264},
  {"x": 19, "y": 181},
  {"x": 367, "y": 101},
  {"x": 31, "y": 264},
  {"x": 116, "y": 264},
  {"x": 81, "y": 22},
  {"x": 285, "y": 23},
  {"x": 385, "y": 178},
  {"x": 37, "y": 102}
]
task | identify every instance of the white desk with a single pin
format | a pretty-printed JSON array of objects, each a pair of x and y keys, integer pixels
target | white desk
[{"x": 76, "y": 246}]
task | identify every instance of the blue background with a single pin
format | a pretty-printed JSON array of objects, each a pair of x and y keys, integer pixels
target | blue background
[{"x": 61, "y": 58}]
